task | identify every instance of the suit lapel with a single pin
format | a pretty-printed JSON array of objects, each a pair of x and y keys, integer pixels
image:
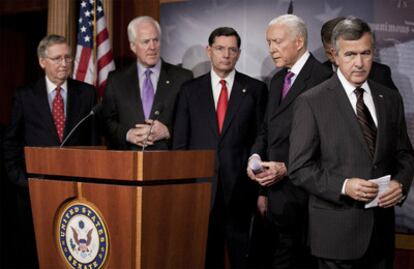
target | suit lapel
[
  {"x": 345, "y": 106},
  {"x": 133, "y": 93},
  {"x": 236, "y": 98},
  {"x": 206, "y": 103},
  {"x": 162, "y": 87},
  {"x": 276, "y": 92},
  {"x": 298, "y": 86},
  {"x": 72, "y": 106},
  {"x": 380, "y": 108},
  {"x": 46, "y": 113}
]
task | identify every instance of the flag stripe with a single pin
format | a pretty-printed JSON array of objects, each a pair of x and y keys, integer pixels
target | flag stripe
[{"x": 84, "y": 69}]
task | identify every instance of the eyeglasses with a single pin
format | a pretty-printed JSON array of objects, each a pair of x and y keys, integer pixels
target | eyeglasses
[
  {"x": 222, "y": 50},
  {"x": 60, "y": 59}
]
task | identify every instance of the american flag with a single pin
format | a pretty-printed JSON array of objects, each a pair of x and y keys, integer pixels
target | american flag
[{"x": 93, "y": 63}]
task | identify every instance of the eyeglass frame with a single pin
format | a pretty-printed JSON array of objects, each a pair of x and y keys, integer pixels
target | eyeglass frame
[{"x": 58, "y": 60}]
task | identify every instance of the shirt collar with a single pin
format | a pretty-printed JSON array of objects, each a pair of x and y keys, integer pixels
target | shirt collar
[
  {"x": 349, "y": 88},
  {"x": 300, "y": 63},
  {"x": 215, "y": 79},
  {"x": 50, "y": 86},
  {"x": 155, "y": 69}
]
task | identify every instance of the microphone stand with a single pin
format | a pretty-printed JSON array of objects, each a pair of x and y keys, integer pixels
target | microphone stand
[{"x": 94, "y": 111}]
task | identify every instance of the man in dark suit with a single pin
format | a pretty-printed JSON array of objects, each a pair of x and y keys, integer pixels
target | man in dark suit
[
  {"x": 380, "y": 73},
  {"x": 284, "y": 203},
  {"x": 43, "y": 114},
  {"x": 223, "y": 110},
  {"x": 134, "y": 94},
  {"x": 345, "y": 132}
]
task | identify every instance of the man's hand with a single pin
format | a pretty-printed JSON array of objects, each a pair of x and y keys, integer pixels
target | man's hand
[
  {"x": 159, "y": 131},
  {"x": 273, "y": 172},
  {"x": 262, "y": 205},
  {"x": 138, "y": 134},
  {"x": 392, "y": 196},
  {"x": 361, "y": 189},
  {"x": 250, "y": 172}
]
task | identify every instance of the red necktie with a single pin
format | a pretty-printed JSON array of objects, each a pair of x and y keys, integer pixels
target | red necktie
[
  {"x": 222, "y": 105},
  {"x": 58, "y": 113}
]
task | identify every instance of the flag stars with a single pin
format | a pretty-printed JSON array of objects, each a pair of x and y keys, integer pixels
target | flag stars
[
  {"x": 83, "y": 29},
  {"x": 91, "y": 2},
  {"x": 87, "y": 13},
  {"x": 83, "y": 4},
  {"x": 87, "y": 38},
  {"x": 99, "y": 9}
]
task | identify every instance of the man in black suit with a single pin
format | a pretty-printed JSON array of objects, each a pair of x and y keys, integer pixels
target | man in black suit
[
  {"x": 43, "y": 114},
  {"x": 128, "y": 106},
  {"x": 380, "y": 73},
  {"x": 223, "y": 110},
  {"x": 284, "y": 203},
  {"x": 345, "y": 132}
]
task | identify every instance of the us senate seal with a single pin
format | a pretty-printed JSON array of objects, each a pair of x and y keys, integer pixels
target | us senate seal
[{"x": 82, "y": 235}]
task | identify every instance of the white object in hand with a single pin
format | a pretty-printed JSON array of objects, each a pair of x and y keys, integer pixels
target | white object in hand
[{"x": 255, "y": 165}]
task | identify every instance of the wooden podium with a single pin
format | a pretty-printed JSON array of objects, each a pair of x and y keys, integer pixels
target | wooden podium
[{"x": 155, "y": 214}]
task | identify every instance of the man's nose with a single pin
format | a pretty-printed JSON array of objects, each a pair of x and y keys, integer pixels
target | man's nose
[{"x": 358, "y": 61}]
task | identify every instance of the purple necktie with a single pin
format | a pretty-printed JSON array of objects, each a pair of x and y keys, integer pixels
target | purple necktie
[
  {"x": 147, "y": 94},
  {"x": 287, "y": 83}
]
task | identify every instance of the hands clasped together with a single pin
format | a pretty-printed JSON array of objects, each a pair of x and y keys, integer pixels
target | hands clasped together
[{"x": 138, "y": 135}]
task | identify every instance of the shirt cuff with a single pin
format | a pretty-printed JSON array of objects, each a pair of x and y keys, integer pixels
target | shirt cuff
[{"x": 343, "y": 192}]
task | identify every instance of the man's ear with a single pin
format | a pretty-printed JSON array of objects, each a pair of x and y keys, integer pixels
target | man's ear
[
  {"x": 132, "y": 46},
  {"x": 208, "y": 50},
  {"x": 42, "y": 62},
  {"x": 300, "y": 42},
  {"x": 334, "y": 54}
]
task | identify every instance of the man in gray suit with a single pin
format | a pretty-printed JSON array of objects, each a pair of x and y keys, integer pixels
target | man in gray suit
[
  {"x": 135, "y": 95},
  {"x": 345, "y": 132}
]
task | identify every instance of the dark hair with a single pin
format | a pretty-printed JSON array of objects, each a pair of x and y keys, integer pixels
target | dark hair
[
  {"x": 224, "y": 31},
  {"x": 351, "y": 28},
  {"x": 327, "y": 28}
]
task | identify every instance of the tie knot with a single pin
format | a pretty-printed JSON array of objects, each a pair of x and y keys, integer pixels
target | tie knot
[
  {"x": 359, "y": 92},
  {"x": 148, "y": 72},
  {"x": 289, "y": 75},
  {"x": 223, "y": 82}
]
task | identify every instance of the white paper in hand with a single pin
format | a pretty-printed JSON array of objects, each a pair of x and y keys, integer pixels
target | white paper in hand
[
  {"x": 383, "y": 183},
  {"x": 255, "y": 165}
]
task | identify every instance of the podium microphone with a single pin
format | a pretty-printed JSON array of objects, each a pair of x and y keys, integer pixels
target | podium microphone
[
  {"x": 95, "y": 110},
  {"x": 157, "y": 112}
]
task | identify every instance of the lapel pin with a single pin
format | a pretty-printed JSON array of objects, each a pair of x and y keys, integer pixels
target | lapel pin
[
  {"x": 244, "y": 91},
  {"x": 380, "y": 96},
  {"x": 168, "y": 82}
]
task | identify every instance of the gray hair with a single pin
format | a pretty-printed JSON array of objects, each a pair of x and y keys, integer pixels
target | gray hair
[
  {"x": 47, "y": 42},
  {"x": 132, "y": 35},
  {"x": 350, "y": 28},
  {"x": 295, "y": 24}
]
